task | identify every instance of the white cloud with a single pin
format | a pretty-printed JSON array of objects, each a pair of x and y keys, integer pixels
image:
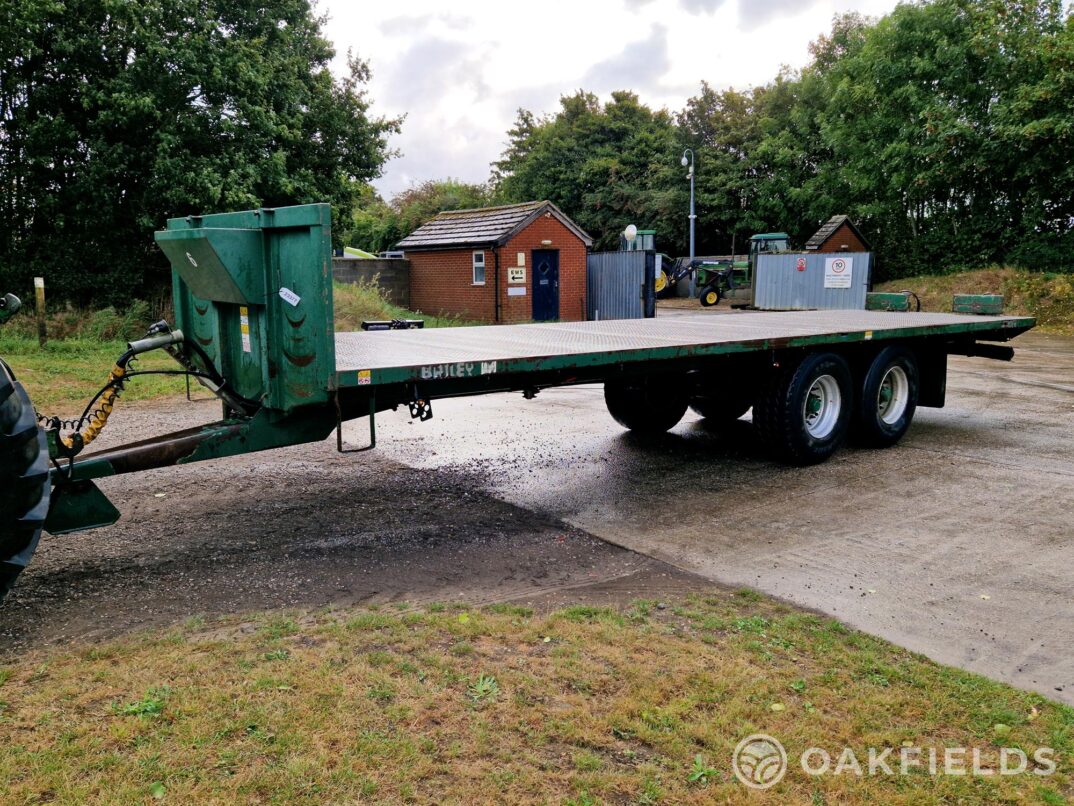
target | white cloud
[{"x": 459, "y": 77}]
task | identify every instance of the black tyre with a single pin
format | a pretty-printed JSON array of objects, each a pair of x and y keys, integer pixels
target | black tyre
[
  {"x": 721, "y": 408},
  {"x": 888, "y": 400},
  {"x": 710, "y": 296},
  {"x": 803, "y": 413},
  {"x": 24, "y": 479},
  {"x": 648, "y": 405}
]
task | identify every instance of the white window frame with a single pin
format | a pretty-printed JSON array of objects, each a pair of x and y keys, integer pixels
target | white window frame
[{"x": 477, "y": 261}]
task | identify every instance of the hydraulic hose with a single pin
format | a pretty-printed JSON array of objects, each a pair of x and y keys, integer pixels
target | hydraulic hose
[
  {"x": 75, "y": 443},
  {"x": 160, "y": 336}
]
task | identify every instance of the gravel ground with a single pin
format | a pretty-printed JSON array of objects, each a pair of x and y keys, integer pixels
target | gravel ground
[{"x": 301, "y": 527}]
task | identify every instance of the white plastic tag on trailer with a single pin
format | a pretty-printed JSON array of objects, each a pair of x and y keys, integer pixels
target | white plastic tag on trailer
[{"x": 290, "y": 297}]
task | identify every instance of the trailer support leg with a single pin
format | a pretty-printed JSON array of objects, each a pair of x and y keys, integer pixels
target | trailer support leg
[{"x": 372, "y": 428}]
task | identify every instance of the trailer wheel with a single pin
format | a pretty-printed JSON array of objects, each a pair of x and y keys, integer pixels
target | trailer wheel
[
  {"x": 24, "y": 479},
  {"x": 722, "y": 408},
  {"x": 649, "y": 405},
  {"x": 889, "y": 395},
  {"x": 710, "y": 296},
  {"x": 803, "y": 413}
]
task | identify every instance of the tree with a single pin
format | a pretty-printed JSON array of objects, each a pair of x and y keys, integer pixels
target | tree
[
  {"x": 115, "y": 115},
  {"x": 378, "y": 226},
  {"x": 604, "y": 165},
  {"x": 930, "y": 134}
]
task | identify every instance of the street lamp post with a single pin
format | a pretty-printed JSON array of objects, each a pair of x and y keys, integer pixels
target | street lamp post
[{"x": 690, "y": 162}]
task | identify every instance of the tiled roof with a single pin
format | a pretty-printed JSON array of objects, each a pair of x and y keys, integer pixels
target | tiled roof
[
  {"x": 485, "y": 226},
  {"x": 828, "y": 230}
]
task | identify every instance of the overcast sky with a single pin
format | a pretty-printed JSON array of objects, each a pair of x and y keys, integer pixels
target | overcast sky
[{"x": 460, "y": 71}]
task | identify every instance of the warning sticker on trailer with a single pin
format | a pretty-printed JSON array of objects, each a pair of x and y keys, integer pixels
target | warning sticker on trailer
[
  {"x": 244, "y": 329},
  {"x": 838, "y": 272},
  {"x": 365, "y": 377}
]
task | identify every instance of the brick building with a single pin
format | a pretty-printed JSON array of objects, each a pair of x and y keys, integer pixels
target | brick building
[
  {"x": 838, "y": 235},
  {"x": 514, "y": 263}
]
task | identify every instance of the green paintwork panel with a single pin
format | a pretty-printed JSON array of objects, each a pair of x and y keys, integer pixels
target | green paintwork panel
[
  {"x": 254, "y": 290},
  {"x": 991, "y": 304},
  {"x": 225, "y": 265},
  {"x": 77, "y": 506},
  {"x": 770, "y": 236},
  {"x": 263, "y": 431},
  {"x": 881, "y": 301}
]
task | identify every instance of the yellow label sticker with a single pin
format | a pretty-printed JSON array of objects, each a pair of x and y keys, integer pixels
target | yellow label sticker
[
  {"x": 244, "y": 329},
  {"x": 868, "y": 334},
  {"x": 365, "y": 377}
]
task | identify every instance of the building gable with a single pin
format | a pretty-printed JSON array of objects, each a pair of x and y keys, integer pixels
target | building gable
[
  {"x": 833, "y": 226},
  {"x": 486, "y": 227}
]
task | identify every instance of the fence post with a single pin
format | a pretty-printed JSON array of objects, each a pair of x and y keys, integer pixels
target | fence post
[{"x": 39, "y": 294}]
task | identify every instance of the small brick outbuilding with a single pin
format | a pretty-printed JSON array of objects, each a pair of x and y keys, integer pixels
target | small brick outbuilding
[
  {"x": 838, "y": 235},
  {"x": 513, "y": 263}
]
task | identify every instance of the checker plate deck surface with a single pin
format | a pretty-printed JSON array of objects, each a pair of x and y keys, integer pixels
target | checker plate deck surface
[{"x": 675, "y": 335}]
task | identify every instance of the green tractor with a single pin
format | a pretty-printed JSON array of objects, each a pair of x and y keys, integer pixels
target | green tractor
[
  {"x": 721, "y": 278},
  {"x": 24, "y": 470}
]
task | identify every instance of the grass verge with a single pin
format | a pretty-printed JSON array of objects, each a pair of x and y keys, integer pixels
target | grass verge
[
  {"x": 356, "y": 302},
  {"x": 1048, "y": 297},
  {"x": 65, "y": 374},
  {"x": 500, "y": 705}
]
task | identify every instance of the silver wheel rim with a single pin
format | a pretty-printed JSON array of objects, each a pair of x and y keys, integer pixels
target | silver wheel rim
[
  {"x": 893, "y": 396},
  {"x": 821, "y": 407}
]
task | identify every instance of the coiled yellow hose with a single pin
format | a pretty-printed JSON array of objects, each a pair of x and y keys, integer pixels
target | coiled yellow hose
[{"x": 100, "y": 416}]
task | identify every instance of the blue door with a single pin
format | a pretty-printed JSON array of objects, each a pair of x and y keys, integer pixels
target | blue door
[{"x": 545, "y": 264}]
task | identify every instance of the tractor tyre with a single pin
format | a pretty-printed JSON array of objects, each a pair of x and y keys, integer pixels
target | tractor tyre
[
  {"x": 803, "y": 412},
  {"x": 24, "y": 479},
  {"x": 647, "y": 405},
  {"x": 710, "y": 296}
]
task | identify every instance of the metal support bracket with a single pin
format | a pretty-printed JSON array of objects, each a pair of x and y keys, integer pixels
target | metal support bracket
[{"x": 372, "y": 428}]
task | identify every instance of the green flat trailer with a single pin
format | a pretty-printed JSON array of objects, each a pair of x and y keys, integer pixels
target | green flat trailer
[{"x": 253, "y": 303}]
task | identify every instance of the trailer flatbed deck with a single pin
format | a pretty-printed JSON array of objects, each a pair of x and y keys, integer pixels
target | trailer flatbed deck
[
  {"x": 400, "y": 356},
  {"x": 253, "y": 299}
]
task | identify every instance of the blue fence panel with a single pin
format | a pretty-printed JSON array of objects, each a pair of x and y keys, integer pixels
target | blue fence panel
[
  {"x": 812, "y": 281},
  {"x": 620, "y": 285}
]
